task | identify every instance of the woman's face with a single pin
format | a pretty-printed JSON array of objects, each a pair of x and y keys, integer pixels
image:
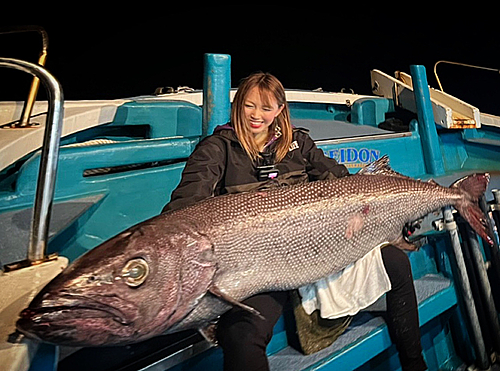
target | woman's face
[{"x": 259, "y": 115}]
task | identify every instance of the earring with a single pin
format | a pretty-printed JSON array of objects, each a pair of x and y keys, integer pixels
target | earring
[{"x": 277, "y": 131}]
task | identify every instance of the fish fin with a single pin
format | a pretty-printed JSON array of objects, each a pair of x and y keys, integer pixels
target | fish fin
[
  {"x": 380, "y": 166},
  {"x": 476, "y": 218},
  {"x": 209, "y": 333},
  {"x": 217, "y": 292},
  {"x": 473, "y": 187}
]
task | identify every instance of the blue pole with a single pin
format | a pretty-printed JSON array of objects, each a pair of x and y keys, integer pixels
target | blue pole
[
  {"x": 216, "y": 88},
  {"x": 427, "y": 128}
]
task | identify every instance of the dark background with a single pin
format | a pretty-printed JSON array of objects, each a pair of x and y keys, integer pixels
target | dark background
[{"x": 109, "y": 55}]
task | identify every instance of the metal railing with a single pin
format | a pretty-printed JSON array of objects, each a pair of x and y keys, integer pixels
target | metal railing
[
  {"x": 460, "y": 64},
  {"x": 48, "y": 160},
  {"x": 24, "y": 121}
]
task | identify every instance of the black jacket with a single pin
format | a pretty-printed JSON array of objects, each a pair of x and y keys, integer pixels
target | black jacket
[{"x": 219, "y": 165}]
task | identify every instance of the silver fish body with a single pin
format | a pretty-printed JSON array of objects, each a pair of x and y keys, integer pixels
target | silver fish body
[{"x": 228, "y": 248}]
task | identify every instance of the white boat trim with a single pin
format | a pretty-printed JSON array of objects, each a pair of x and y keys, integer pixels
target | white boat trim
[
  {"x": 19, "y": 287},
  {"x": 81, "y": 115},
  {"x": 449, "y": 111},
  {"x": 78, "y": 115},
  {"x": 292, "y": 95},
  {"x": 490, "y": 120},
  {"x": 460, "y": 110}
]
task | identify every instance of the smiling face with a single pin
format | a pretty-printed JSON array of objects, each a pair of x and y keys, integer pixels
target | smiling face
[
  {"x": 260, "y": 113},
  {"x": 259, "y": 107}
]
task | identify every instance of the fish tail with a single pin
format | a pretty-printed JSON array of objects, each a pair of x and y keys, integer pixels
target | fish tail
[{"x": 472, "y": 188}]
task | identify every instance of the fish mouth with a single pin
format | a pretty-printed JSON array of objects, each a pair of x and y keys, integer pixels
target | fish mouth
[
  {"x": 69, "y": 314},
  {"x": 77, "y": 308}
]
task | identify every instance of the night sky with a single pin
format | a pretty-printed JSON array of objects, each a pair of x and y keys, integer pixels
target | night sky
[{"x": 111, "y": 56}]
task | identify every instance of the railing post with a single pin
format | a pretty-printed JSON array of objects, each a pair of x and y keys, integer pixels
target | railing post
[
  {"x": 216, "y": 88},
  {"x": 49, "y": 157},
  {"x": 427, "y": 127},
  {"x": 482, "y": 358}
]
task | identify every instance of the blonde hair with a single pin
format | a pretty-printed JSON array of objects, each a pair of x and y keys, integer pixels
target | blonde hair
[{"x": 269, "y": 87}]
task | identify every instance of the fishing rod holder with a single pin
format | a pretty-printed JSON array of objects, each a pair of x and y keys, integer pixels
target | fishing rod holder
[
  {"x": 450, "y": 224},
  {"x": 48, "y": 160},
  {"x": 473, "y": 281}
]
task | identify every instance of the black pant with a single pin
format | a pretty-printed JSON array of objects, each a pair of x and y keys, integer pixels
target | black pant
[
  {"x": 402, "y": 310},
  {"x": 244, "y": 337}
]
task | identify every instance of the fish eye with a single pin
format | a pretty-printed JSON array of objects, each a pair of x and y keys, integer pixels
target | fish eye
[{"x": 135, "y": 272}]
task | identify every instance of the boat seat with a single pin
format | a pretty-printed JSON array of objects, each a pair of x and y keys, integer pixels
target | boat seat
[{"x": 367, "y": 336}]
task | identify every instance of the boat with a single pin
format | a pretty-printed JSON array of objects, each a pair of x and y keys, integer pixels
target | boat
[{"x": 70, "y": 181}]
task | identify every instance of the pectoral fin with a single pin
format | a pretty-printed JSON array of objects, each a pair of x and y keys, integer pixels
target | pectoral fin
[{"x": 217, "y": 292}]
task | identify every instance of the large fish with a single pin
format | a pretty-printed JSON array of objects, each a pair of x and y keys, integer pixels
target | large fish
[{"x": 183, "y": 269}]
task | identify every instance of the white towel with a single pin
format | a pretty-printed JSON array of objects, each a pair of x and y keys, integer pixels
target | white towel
[{"x": 347, "y": 292}]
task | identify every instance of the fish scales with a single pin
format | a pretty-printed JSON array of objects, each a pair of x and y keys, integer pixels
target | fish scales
[
  {"x": 306, "y": 224},
  {"x": 286, "y": 238}
]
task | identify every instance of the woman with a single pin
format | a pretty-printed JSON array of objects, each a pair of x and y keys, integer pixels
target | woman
[{"x": 258, "y": 149}]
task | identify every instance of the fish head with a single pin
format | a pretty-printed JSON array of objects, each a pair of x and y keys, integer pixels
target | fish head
[{"x": 130, "y": 288}]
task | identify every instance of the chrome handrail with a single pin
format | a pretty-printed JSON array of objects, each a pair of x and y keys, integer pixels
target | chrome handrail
[
  {"x": 49, "y": 157},
  {"x": 24, "y": 121}
]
